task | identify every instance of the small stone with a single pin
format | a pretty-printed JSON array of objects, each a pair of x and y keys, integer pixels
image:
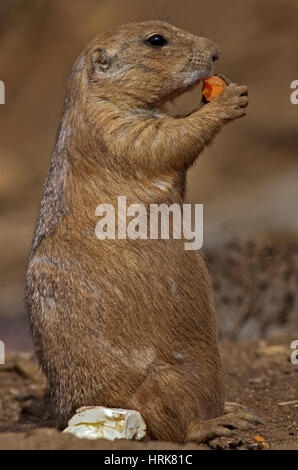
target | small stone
[
  {"x": 255, "y": 381},
  {"x": 28, "y": 368},
  {"x": 259, "y": 439}
]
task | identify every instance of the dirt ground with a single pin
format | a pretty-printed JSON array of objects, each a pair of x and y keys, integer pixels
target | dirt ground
[
  {"x": 259, "y": 374},
  {"x": 255, "y": 287}
]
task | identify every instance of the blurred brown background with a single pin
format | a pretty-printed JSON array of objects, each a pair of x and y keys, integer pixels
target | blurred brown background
[{"x": 247, "y": 180}]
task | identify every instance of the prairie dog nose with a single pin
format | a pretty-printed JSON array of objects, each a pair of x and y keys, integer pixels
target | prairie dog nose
[
  {"x": 212, "y": 47},
  {"x": 215, "y": 56}
]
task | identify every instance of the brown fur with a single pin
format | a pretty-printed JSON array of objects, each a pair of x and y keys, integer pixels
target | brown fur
[{"x": 128, "y": 323}]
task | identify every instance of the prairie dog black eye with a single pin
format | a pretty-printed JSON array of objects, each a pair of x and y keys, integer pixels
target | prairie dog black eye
[{"x": 156, "y": 40}]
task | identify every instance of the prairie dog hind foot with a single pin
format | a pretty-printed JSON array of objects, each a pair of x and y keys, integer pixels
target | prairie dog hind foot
[{"x": 236, "y": 418}]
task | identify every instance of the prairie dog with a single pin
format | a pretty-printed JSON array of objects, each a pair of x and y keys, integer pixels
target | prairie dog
[{"x": 129, "y": 323}]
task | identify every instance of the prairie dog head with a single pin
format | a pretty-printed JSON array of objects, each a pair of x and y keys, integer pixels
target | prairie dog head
[{"x": 146, "y": 64}]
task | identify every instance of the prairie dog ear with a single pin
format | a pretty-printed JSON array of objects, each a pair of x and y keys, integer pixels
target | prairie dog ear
[{"x": 99, "y": 60}]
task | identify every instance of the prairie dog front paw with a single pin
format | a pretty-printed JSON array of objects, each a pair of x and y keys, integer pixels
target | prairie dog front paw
[{"x": 231, "y": 103}]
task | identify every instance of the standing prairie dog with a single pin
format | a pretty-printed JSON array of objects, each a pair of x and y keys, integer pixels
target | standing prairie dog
[{"x": 130, "y": 323}]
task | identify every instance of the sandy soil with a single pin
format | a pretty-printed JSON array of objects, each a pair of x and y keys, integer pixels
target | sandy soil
[
  {"x": 259, "y": 374},
  {"x": 255, "y": 287}
]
